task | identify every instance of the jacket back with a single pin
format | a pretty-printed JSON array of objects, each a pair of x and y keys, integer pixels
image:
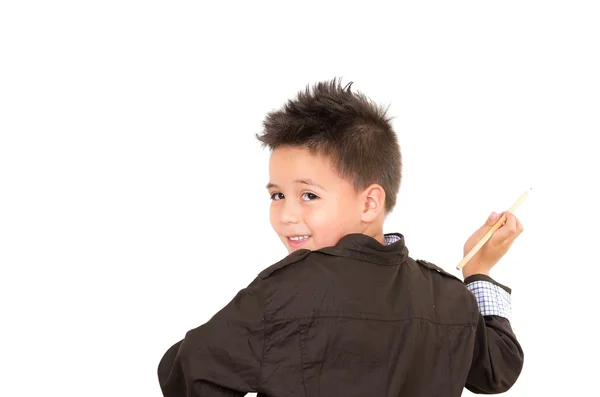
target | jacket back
[{"x": 357, "y": 319}]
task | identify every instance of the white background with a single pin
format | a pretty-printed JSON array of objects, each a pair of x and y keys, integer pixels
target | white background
[{"x": 129, "y": 168}]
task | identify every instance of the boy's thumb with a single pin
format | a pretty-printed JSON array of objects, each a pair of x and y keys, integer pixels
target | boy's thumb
[{"x": 492, "y": 219}]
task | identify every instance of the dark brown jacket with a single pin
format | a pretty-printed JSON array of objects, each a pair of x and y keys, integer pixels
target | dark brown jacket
[{"x": 358, "y": 319}]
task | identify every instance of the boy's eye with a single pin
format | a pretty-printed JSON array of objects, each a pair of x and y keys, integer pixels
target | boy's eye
[
  {"x": 277, "y": 196},
  {"x": 309, "y": 197}
]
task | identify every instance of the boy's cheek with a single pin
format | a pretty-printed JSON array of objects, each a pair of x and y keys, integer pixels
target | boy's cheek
[{"x": 273, "y": 216}]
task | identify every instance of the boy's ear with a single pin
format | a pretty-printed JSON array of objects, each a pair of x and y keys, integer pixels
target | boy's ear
[{"x": 374, "y": 203}]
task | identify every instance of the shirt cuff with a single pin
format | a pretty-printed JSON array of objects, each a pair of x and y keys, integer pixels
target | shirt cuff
[{"x": 492, "y": 298}]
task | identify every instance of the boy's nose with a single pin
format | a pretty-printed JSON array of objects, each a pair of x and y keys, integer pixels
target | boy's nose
[{"x": 290, "y": 214}]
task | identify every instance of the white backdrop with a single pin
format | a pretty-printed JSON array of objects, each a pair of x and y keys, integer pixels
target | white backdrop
[{"x": 128, "y": 162}]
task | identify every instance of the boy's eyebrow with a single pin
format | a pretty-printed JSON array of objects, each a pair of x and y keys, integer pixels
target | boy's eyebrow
[{"x": 308, "y": 182}]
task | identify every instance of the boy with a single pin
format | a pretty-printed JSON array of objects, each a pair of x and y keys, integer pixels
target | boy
[{"x": 348, "y": 312}]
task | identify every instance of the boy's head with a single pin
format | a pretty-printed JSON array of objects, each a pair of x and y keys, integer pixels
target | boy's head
[{"x": 335, "y": 166}]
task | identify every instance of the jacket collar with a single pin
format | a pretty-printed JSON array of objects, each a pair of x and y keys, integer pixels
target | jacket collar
[{"x": 362, "y": 247}]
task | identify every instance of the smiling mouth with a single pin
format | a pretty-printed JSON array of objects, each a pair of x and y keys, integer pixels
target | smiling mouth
[{"x": 297, "y": 241}]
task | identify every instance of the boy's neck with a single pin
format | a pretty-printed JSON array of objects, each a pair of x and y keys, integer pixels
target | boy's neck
[
  {"x": 377, "y": 234},
  {"x": 379, "y": 237}
]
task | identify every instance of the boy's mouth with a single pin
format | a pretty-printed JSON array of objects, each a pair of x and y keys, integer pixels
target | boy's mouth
[{"x": 296, "y": 241}]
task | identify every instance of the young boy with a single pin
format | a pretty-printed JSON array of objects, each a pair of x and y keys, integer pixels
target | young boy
[{"x": 348, "y": 312}]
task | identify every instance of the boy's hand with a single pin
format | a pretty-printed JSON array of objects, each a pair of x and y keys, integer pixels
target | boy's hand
[{"x": 495, "y": 247}]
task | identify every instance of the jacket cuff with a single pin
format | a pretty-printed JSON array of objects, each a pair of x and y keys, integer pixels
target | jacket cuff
[{"x": 483, "y": 277}]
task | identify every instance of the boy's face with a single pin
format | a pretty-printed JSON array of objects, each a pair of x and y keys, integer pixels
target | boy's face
[{"x": 312, "y": 207}]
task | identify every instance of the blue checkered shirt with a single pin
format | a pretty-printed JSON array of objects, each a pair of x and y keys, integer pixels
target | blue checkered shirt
[{"x": 492, "y": 299}]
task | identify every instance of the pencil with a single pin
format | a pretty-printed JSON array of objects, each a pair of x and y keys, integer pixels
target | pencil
[{"x": 490, "y": 232}]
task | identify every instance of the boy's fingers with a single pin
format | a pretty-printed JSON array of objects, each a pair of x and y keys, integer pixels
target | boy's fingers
[
  {"x": 519, "y": 226},
  {"x": 509, "y": 229}
]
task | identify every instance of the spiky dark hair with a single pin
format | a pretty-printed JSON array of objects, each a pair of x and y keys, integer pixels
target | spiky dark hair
[{"x": 351, "y": 130}]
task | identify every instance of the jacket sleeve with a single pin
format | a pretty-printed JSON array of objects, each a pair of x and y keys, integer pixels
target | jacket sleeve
[
  {"x": 220, "y": 358},
  {"x": 497, "y": 356}
]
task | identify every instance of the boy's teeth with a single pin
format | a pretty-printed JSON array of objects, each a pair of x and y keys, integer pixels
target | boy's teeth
[{"x": 298, "y": 238}]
